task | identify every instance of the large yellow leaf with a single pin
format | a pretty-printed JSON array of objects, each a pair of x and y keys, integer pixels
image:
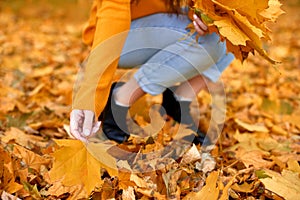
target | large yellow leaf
[
  {"x": 230, "y": 31},
  {"x": 244, "y": 24},
  {"x": 249, "y": 7},
  {"x": 75, "y": 165},
  {"x": 286, "y": 184}
]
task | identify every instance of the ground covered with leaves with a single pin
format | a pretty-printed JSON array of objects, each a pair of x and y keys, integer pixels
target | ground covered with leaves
[{"x": 256, "y": 157}]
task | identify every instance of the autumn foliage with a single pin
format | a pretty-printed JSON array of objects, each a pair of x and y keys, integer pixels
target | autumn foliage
[
  {"x": 242, "y": 24},
  {"x": 256, "y": 156}
]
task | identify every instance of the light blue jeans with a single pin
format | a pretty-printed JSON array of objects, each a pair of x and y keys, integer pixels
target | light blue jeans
[{"x": 166, "y": 54}]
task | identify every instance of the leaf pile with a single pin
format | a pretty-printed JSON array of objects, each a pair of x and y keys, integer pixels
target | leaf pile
[
  {"x": 242, "y": 24},
  {"x": 256, "y": 157}
]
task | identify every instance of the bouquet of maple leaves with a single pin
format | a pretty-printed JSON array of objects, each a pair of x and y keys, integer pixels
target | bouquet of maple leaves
[{"x": 241, "y": 23}]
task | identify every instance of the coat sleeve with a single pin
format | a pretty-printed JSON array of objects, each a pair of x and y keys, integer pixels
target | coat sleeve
[{"x": 106, "y": 32}]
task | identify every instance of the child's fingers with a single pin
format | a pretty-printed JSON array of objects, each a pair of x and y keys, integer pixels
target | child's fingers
[
  {"x": 200, "y": 27},
  {"x": 77, "y": 135},
  {"x": 96, "y": 127},
  {"x": 88, "y": 122}
]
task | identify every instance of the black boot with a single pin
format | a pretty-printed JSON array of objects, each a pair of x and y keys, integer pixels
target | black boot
[
  {"x": 180, "y": 112},
  {"x": 113, "y": 119}
]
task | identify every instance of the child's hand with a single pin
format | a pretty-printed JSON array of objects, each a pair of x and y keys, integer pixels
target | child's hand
[
  {"x": 199, "y": 25},
  {"x": 82, "y": 124}
]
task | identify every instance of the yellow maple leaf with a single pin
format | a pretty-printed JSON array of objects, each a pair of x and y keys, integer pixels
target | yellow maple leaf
[
  {"x": 75, "y": 165},
  {"x": 231, "y": 32},
  {"x": 245, "y": 7},
  {"x": 242, "y": 24}
]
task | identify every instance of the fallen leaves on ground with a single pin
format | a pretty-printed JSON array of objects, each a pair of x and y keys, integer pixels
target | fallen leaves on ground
[
  {"x": 286, "y": 185},
  {"x": 256, "y": 156}
]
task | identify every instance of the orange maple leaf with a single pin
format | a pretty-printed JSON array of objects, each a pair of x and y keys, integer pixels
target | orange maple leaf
[{"x": 75, "y": 165}]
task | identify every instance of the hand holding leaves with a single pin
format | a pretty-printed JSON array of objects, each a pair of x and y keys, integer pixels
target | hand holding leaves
[
  {"x": 199, "y": 25},
  {"x": 82, "y": 124}
]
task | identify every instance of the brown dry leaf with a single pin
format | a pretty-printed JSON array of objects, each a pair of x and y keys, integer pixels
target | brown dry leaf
[
  {"x": 8, "y": 98},
  {"x": 124, "y": 180},
  {"x": 151, "y": 193},
  {"x": 7, "y": 196},
  {"x": 75, "y": 192},
  {"x": 253, "y": 158},
  {"x": 268, "y": 143},
  {"x": 76, "y": 165},
  {"x": 7, "y": 104},
  {"x": 43, "y": 71},
  {"x": 140, "y": 182},
  {"x": 7, "y": 176},
  {"x": 31, "y": 159},
  {"x": 191, "y": 155},
  {"x": 170, "y": 180},
  {"x": 286, "y": 184},
  {"x": 247, "y": 141},
  {"x": 225, "y": 190},
  {"x": 128, "y": 194},
  {"x": 22, "y": 138},
  {"x": 278, "y": 130},
  {"x": 294, "y": 166},
  {"x": 294, "y": 119},
  {"x": 273, "y": 11},
  {"x": 207, "y": 163},
  {"x": 156, "y": 123},
  {"x": 209, "y": 191},
  {"x": 244, "y": 187},
  {"x": 252, "y": 127}
]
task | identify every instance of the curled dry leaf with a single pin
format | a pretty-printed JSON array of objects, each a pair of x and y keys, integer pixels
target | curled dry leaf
[
  {"x": 191, "y": 155},
  {"x": 207, "y": 163},
  {"x": 76, "y": 191},
  {"x": 31, "y": 159},
  {"x": 7, "y": 196},
  {"x": 7, "y": 174},
  {"x": 252, "y": 127},
  {"x": 253, "y": 158},
  {"x": 128, "y": 194},
  {"x": 22, "y": 138}
]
